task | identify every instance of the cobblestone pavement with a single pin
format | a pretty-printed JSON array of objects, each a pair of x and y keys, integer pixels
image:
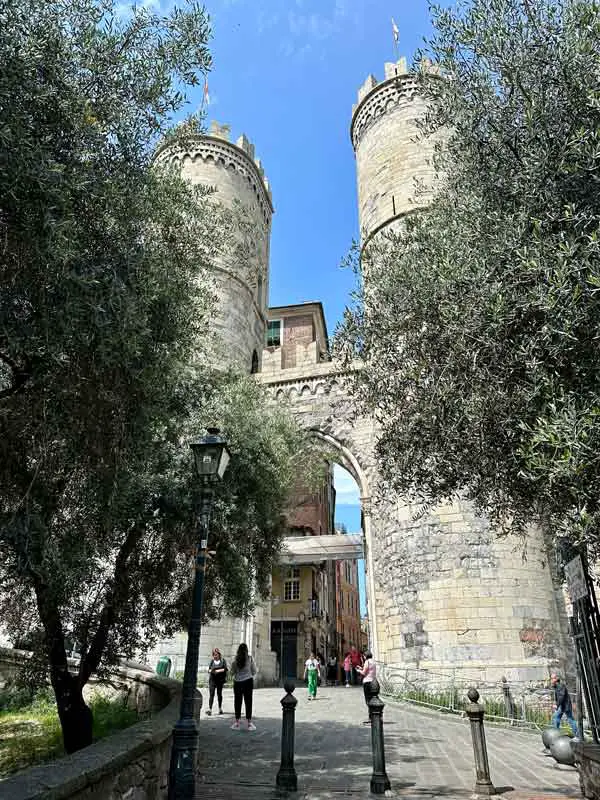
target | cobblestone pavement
[{"x": 428, "y": 755}]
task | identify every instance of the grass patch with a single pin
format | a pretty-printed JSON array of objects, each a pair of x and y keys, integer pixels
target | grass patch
[{"x": 32, "y": 735}]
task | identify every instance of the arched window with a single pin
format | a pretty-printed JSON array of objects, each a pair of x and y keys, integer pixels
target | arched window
[
  {"x": 259, "y": 291},
  {"x": 254, "y": 367}
]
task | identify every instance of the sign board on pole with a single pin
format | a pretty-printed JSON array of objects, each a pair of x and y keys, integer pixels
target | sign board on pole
[{"x": 576, "y": 583}]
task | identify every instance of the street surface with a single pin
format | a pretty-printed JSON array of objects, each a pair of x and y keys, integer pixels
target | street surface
[{"x": 428, "y": 754}]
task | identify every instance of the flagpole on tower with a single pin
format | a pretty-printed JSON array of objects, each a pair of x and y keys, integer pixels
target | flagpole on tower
[
  {"x": 205, "y": 96},
  {"x": 396, "y": 34}
]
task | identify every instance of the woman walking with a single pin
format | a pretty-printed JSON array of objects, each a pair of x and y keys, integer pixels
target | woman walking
[
  {"x": 348, "y": 669},
  {"x": 243, "y": 670},
  {"x": 311, "y": 669},
  {"x": 368, "y": 672},
  {"x": 217, "y": 670}
]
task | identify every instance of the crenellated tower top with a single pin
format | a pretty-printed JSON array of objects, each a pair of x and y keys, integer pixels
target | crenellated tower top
[
  {"x": 377, "y": 97},
  {"x": 393, "y": 161},
  {"x": 216, "y": 146}
]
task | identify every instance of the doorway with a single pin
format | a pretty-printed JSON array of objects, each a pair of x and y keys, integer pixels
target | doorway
[{"x": 289, "y": 643}]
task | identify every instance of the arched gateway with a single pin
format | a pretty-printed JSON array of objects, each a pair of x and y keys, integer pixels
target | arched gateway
[{"x": 443, "y": 591}]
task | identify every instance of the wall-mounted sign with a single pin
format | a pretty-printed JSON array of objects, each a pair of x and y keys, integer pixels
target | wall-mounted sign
[{"x": 289, "y": 628}]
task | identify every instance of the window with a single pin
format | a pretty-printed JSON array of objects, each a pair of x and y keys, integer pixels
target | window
[
  {"x": 291, "y": 587},
  {"x": 274, "y": 333}
]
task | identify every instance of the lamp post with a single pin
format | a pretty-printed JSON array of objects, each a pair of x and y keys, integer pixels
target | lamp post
[{"x": 211, "y": 458}]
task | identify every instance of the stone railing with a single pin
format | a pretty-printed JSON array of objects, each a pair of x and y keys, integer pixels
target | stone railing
[{"x": 129, "y": 765}]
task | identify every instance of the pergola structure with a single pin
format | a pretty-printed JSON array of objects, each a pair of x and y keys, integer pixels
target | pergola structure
[{"x": 311, "y": 549}]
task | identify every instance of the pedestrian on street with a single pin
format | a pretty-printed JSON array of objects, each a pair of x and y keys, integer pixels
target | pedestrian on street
[
  {"x": 243, "y": 670},
  {"x": 311, "y": 669},
  {"x": 357, "y": 661},
  {"x": 348, "y": 669},
  {"x": 332, "y": 670},
  {"x": 369, "y": 673},
  {"x": 563, "y": 705},
  {"x": 217, "y": 675},
  {"x": 321, "y": 661}
]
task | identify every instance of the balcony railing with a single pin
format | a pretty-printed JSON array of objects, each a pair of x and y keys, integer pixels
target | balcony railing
[{"x": 315, "y": 611}]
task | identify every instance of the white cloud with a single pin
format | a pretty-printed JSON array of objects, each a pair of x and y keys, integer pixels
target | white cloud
[{"x": 346, "y": 489}]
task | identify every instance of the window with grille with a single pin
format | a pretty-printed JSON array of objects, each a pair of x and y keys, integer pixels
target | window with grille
[
  {"x": 291, "y": 590},
  {"x": 274, "y": 333},
  {"x": 291, "y": 586}
]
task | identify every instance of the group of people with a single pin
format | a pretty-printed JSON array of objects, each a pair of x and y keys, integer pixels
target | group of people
[
  {"x": 243, "y": 670},
  {"x": 351, "y": 667},
  {"x": 354, "y": 663}
]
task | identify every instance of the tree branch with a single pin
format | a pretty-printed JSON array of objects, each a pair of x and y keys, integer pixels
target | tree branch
[{"x": 112, "y": 605}]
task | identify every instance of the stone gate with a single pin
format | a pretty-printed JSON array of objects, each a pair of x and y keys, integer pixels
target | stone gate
[{"x": 444, "y": 592}]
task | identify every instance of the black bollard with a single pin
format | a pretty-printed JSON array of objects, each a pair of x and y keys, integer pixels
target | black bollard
[
  {"x": 483, "y": 783},
  {"x": 379, "y": 780},
  {"x": 286, "y": 777}
]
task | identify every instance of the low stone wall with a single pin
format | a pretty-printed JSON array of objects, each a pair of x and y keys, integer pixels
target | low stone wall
[
  {"x": 129, "y": 765},
  {"x": 587, "y": 758}
]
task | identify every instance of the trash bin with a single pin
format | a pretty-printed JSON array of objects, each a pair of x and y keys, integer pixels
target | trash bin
[{"x": 164, "y": 666}]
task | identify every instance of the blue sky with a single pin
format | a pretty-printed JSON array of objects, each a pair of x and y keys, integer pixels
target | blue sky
[{"x": 286, "y": 73}]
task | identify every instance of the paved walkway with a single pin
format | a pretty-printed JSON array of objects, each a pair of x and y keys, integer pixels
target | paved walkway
[{"x": 428, "y": 755}]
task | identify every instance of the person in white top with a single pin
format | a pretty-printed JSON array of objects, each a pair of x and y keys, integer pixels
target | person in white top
[
  {"x": 311, "y": 669},
  {"x": 243, "y": 670},
  {"x": 369, "y": 673}
]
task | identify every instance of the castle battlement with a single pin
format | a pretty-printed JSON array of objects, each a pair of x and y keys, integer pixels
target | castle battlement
[
  {"x": 223, "y": 131},
  {"x": 216, "y": 146},
  {"x": 376, "y": 98}
]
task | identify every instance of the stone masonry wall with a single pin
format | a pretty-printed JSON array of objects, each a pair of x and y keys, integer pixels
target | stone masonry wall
[{"x": 132, "y": 764}]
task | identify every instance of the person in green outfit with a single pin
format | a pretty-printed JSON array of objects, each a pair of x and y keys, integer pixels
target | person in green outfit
[{"x": 311, "y": 669}]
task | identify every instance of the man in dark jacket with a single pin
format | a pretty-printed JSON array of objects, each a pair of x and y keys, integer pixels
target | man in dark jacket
[{"x": 563, "y": 705}]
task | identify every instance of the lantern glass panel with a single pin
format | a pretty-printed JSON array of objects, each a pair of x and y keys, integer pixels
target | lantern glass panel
[
  {"x": 224, "y": 462},
  {"x": 207, "y": 459}
]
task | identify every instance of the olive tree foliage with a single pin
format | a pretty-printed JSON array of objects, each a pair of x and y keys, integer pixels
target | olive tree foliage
[
  {"x": 106, "y": 263},
  {"x": 478, "y": 319}
]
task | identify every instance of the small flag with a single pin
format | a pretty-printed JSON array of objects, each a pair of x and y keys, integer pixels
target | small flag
[
  {"x": 206, "y": 96},
  {"x": 395, "y": 31}
]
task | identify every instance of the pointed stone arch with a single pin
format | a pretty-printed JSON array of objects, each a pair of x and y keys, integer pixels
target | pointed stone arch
[{"x": 427, "y": 574}]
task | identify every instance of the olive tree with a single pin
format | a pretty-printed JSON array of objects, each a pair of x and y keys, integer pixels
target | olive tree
[
  {"x": 478, "y": 319},
  {"x": 106, "y": 263}
]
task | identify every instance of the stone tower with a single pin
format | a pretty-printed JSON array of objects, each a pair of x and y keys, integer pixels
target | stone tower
[
  {"x": 448, "y": 593},
  {"x": 242, "y": 274},
  {"x": 393, "y": 164},
  {"x": 242, "y": 287}
]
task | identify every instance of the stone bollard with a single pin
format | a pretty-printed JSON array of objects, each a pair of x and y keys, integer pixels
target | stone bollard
[
  {"x": 379, "y": 780},
  {"x": 483, "y": 784},
  {"x": 286, "y": 777}
]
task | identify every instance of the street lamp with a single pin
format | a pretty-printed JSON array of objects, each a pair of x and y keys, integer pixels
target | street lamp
[{"x": 211, "y": 458}]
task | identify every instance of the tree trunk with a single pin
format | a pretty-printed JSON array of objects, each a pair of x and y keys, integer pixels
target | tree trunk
[{"x": 74, "y": 714}]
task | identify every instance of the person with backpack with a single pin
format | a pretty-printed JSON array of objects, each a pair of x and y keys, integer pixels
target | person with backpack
[
  {"x": 243, "y": 670},
  {"x": 217, "y": 675}
]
